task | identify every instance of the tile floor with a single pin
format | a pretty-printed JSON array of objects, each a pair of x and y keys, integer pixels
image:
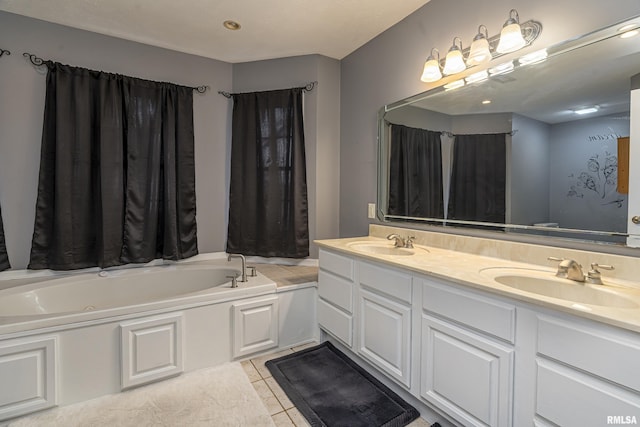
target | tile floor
[{"x": 282, "y": 411}]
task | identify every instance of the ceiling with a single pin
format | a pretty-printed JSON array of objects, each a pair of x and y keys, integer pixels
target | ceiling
[{"x": 270, "y": 29}]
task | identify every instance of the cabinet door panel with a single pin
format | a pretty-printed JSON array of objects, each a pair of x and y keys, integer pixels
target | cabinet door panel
[
  {"x": 336, "y": 290},
  {"x": 385, "y": 331},
  {"x": 466, "y": 375},
  {"x": 568, "y": 397},
  {"x": 335, "y": 321}
]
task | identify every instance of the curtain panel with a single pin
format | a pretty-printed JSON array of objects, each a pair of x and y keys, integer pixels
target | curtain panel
[
  {"x": 117, "y": 175},
  {"x": 268, "y": 212},
  {"x": 415, "y": 173},
  {"x": 478, "y": 178},
  {"x": 4, "y": 257}
]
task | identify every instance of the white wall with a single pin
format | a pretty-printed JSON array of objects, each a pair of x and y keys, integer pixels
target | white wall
[
  {"x": 22, "y": 91},
  {"x": 388, "y": 69}
]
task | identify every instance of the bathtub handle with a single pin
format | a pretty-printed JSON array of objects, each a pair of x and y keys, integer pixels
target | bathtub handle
[
  {"x": 252, "y": 271},
  {"x": 234, "y": 281}
]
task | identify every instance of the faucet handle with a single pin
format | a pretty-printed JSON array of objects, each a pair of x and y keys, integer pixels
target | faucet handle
[
  {"x": 408, "y": 243},
  {"x": 594, "y": 276},
  {"x": 234, "y": 280},
  {"x": 252, "y": 271}
]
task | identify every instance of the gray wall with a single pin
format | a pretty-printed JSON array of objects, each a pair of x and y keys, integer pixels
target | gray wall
[
  {"x": 321, "y": 123},
  {"x": 22, "y": 105},
  {"x": 529, "y": 171},
  {"x": 388, "y": 69},
  {"x": 579, "y": 151}
]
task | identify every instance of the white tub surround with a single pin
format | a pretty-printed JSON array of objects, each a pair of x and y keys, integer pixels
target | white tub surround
[
  {"x": 73, "y": 338},
  {"x": 467, "y": 350}
]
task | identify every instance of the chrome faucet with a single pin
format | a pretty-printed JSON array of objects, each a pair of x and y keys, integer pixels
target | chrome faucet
[
  {"x": 569, "y": 269},
  {"x": 399, "y": 241},
  {"x": 243, "y": 277}
]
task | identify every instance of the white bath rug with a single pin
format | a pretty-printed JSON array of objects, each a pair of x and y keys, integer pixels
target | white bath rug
[{"x": 220, "y": 396}]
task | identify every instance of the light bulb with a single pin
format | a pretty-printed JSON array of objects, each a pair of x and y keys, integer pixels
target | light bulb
[{"x": 511, "y": 35}]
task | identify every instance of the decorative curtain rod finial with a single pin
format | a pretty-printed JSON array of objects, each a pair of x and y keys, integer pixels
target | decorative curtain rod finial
[
  {"x": 4, "y": 52},
  {"x": 35, "y": 60},
  {"x": 201, "y": 89}
]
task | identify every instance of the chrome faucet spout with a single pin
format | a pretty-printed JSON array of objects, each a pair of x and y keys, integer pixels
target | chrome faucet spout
[
  {"x": 571, "y": 270},
  {"x": 398, "y": 241},
  {"x": 243, "y": 260}
]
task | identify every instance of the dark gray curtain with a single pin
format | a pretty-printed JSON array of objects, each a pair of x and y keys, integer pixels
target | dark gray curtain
[
  {"x": 117, "y": 176},
  {"x": 268, "y": 214},
  {"x": 4, "y": 258},
  {"x": 478, "y": 178},
  {"x": 415, "y": 173}
]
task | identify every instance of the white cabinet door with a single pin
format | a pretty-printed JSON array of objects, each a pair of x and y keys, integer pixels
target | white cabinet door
[
  {"x": 466, "y": 375},
  {"x": 255, "y": 326},
  {"x": 385, "y": 335}
]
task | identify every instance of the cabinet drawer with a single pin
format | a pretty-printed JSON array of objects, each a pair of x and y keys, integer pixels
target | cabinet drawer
[
  {"x": 567, "y": 397},
  {"x": 606, "y": 352},
  {"x": 484, "y": 314},
  {"x": 393, "y": 283},
  {"x": 335, "y": 321},
  {"x": 337, "y": 264},
  {"x": 336, "y": 290}
]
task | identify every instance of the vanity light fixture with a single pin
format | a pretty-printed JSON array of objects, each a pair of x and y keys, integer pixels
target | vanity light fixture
[
  {"x": 504, "y": 68},
  {"x": 533, "y": 57},
  {"x": 628, "y": 31},
  {"x": 477, "y": 77},
  {"x": 511, "y": 38},
  {"x": 484, "y": 49},
  {"x": 479, "y": 51},
  {"x": 454, "y": 84},
  {"x": 454, "y": 62},
  {"x": 431, "y": 71}
]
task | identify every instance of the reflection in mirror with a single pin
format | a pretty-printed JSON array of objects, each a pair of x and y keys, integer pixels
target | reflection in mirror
[{"x": 541, "y": 149}]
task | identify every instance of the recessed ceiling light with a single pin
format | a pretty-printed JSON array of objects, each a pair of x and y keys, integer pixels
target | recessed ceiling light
[
  {"x": 486, "y": 101},
  {"x": 231, "y": 25},
  {"x": 586, "y": 110}
]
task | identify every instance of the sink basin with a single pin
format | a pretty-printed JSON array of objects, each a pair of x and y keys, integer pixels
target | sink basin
[
  {"x": 380, "y": 248},
  {"x": 545, "y": 283}
]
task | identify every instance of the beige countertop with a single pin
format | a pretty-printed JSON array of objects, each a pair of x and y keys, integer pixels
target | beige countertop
[
  {"x": 465, "y": 269},
  {"x": 288, "y": 275}
]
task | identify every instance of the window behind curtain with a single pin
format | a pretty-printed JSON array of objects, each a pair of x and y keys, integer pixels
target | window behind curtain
[
  {"x": 478, "y": 178},
  {"x": 4, "y": 258},
  {"x": 268, "y": 212},
  {"x": 117, "y": 175}
]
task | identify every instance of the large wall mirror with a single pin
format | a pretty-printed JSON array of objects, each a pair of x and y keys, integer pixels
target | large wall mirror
[{"x": 541, "y": 149}]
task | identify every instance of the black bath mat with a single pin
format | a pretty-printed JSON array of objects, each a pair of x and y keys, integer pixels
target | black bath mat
[{"x": 331, "y": 390}]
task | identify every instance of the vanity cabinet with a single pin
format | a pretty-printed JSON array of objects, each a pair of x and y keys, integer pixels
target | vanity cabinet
[
  {"x": 384, "y": 320},
  {"x": 467, "y": 355},
  {"x": 335, "y": 292},
  {"x": 586, "y": 373}
]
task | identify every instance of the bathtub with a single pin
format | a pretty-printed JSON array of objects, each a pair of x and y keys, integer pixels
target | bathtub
[
  {"x": 51, "y": 301},
  {"x": 73, "y": 337}
]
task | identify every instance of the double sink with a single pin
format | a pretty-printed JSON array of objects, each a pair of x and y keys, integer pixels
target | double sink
[{"x": 535, "y": 281}]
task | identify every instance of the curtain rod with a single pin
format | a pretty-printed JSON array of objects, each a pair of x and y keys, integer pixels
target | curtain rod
[
  {"x": 451, "y": 134},
  {"x": 307, "y": 88},
  {"x": 39, "y": 62},
  {"x": 4, "y": 52}
]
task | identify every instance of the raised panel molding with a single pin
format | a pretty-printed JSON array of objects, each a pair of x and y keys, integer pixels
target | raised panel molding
[
  {"x": 255, "y": 326},
  {"x": 30, "y": 365},
  {"x": 385, "y": 334},
  {"x": 467, "y": 375},
  {"x": 151, "y": 349}
]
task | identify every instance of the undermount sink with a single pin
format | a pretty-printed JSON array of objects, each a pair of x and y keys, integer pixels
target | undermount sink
[
  {"x": 381, "y": 248},
  {"x": 545, "y": 283}
]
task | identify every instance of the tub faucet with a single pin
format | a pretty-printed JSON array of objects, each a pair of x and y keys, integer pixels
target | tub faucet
[{"x": 243, "y": 277}]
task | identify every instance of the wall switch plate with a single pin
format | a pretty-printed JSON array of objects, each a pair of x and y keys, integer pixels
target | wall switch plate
[{"x": 372, "y": 211}]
